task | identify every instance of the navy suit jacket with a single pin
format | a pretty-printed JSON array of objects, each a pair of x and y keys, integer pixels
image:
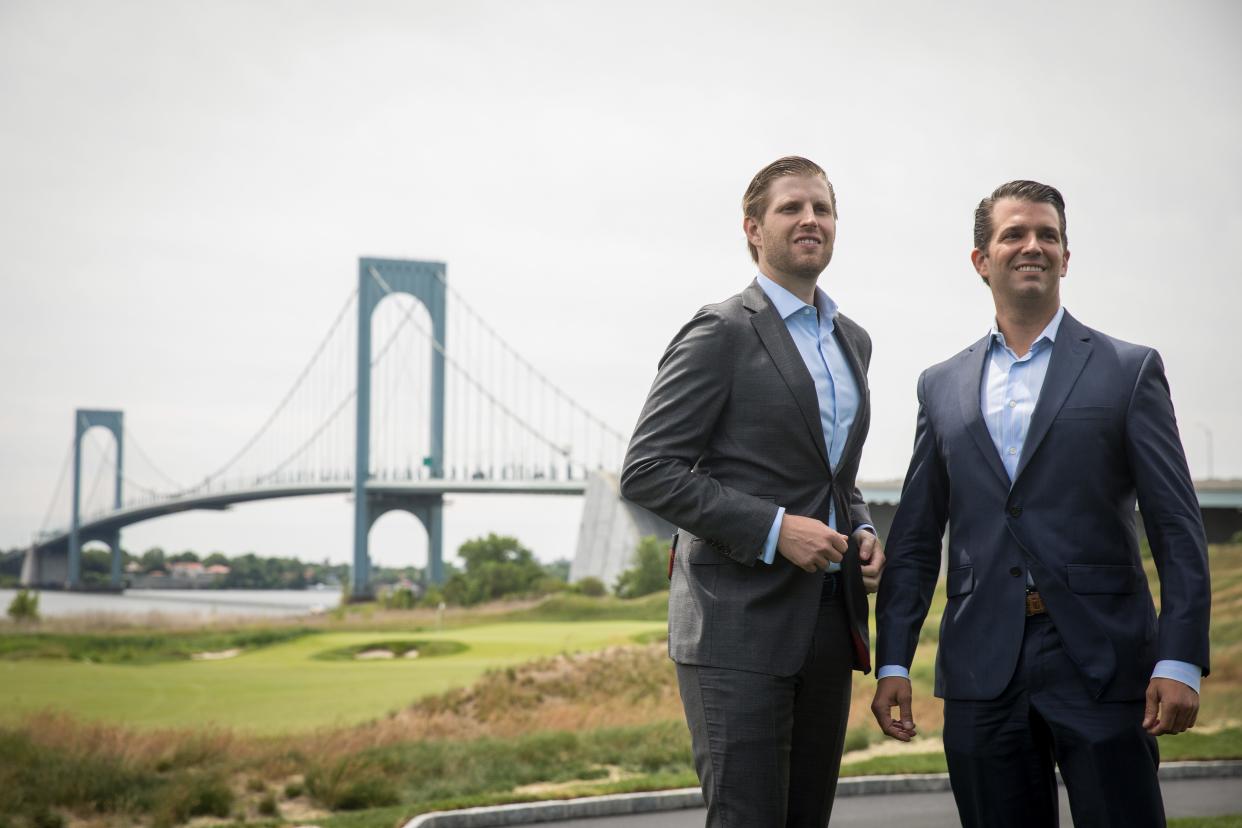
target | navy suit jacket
[{"x": 1102, "y": 435}]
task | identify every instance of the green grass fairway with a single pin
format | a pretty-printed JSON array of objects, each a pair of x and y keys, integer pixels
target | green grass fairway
[{"x": 284, "y": 688}]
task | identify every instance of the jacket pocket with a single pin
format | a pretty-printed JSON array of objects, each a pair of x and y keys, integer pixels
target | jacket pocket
[
  {"x": 700, "y": 553},
  {"x": 1103, "y": 579},
  {"x": 960, "y": 581},
  {"x": 1085, "y": 412}
]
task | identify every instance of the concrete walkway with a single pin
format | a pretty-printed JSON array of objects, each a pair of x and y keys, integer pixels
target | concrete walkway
[
  {"x": 1190, "y": 789},
  {"x": 1182, "y": 798}
]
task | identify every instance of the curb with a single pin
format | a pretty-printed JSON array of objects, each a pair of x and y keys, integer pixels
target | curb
[{"x": 527, "y": 813}]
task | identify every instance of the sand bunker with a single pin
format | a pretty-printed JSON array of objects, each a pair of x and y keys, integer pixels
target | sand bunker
[{"x": 216, "y": 656}]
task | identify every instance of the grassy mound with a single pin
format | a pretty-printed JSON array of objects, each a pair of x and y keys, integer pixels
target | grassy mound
[{"x": 140, "y": 648}]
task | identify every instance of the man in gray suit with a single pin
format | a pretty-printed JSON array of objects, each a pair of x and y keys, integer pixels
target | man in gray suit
[
  {"x": 749, "y": 442},
  {"x": 1034, "y": 445}
]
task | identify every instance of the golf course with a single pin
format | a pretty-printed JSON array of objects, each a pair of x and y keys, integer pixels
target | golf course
[
  {"x": 291, "y": 686},
  {"x": 366, "y": 717}
]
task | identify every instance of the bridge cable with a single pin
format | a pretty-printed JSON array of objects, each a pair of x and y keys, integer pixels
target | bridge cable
[
  {"x": 525, "y": 362},
  {"x": 353, "y": 393},
  {"x": 103, "y": 466},
  {"x": 60, "y": 484},
  {"x": 490, "y": 397},
  {"x": 133, "y": 444},
  {"x": 288, "y": 396}
]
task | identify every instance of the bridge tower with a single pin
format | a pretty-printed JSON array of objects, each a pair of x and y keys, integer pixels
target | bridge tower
[
  {"x": 425, "y": 281},
  {"x": 83, "y": 420}
]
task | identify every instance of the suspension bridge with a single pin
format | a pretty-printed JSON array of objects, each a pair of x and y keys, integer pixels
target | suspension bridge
[{"x": 409, "y": 396}]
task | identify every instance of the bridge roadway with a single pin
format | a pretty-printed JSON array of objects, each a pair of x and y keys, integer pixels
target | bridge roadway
[
  {"x": 221, "y": 500},
  {"x": 1218, "y": 499}
]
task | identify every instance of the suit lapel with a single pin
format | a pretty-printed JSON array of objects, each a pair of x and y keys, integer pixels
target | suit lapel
[
  {"x": 780, "y": 346},
  {"x": 1070, "y": 352},
  {"x": 858, "y": 428},
  {"x": 969, "y": 395}
]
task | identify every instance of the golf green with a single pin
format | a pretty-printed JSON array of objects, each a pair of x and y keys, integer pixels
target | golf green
[{"x": 284, "y": 687}]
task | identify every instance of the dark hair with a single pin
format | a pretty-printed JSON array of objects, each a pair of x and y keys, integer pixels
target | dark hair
[
  {"x": 1023, "y": 191},
  {"x": 755, "y": 201}
]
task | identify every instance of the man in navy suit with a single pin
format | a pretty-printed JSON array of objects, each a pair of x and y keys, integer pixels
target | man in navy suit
[{"x": 1034, "y": 445}]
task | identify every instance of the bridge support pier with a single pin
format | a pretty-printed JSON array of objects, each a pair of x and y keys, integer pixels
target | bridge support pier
[
  {"x": 83, "y": 420},
  {"x": 429, "y": 509},
  {"x": 425, "y": 281}
]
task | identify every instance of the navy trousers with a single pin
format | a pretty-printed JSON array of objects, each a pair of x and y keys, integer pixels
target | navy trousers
[{"x": 1002, "y": 752}]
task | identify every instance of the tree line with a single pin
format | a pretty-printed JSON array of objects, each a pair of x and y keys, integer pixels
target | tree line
[{"x": 491, "y": 568}]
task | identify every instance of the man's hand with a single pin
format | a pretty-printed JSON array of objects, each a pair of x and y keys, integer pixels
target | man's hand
[
  {"x": 1171, "y": 707},
  {"x": 808, "y": 543},
  {"x": 871, "y": 553},
  {"x": 890, "y": 692}
]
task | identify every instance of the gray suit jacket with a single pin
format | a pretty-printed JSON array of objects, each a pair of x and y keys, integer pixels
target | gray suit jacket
[
  {"x": 731, "y": 429},
  {"x": 1102, "y": 436}
]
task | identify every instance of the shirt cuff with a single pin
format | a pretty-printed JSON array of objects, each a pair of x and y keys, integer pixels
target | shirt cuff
[
  {"x": 769, "y": 548},
  {"x": 868, "y": 527},
  {"x": 892, "y": 670},
  {"x": 1183, "y": 671}
]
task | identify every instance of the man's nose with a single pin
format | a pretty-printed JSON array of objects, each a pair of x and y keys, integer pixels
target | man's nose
[
  {"x": 808, "y": 216},
  {"x": 1030, "y": 244}
]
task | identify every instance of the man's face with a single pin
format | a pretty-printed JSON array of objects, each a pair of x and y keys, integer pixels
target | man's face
[
  {"x": 795, "y": 236},
  {"x": 1025, "y": 259}
]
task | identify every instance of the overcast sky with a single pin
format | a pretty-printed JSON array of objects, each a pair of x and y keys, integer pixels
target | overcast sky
[{"x": 185, "y": 188}]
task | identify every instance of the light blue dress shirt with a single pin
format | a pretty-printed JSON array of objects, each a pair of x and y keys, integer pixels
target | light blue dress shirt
[
  {"x": 811, "y": 328},
  {"x": 1007, "y": 397}
]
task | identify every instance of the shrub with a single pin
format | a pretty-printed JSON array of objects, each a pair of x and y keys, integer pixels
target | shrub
[
  {"x": 268, "y": 806},
  {"x": 433, "y": 597},
  {"x": 24, "y": 606},
  {"x": 401, "y": 598},
  {"x": 207, "y": 795},
  {"x": 350, "y": 784},
  {"x": 591, "y": 587},
  {"x": 47, "y": 819},
  {"x": 649, "y": 573}
]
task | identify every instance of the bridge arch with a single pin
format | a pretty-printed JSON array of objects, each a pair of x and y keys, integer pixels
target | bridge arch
[
  {"x": 426, "y": 282},
  {"x": 398, "y": 520}
]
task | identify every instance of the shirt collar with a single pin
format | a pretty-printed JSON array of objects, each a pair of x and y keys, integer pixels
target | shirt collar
[
  {"x": 787, "y": 304},
  {"x": 1049, "y": 332}
]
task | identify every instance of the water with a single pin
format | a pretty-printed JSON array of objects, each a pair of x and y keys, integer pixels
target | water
[{"x": 186, "y": 602}]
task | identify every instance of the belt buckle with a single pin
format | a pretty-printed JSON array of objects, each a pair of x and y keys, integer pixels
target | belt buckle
[{"x": 1034, "y": 604}]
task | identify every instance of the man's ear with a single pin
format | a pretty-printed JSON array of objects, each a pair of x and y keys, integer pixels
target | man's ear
[
  {"x": 980, "y": 260},
  {"x": 1065, "y": 264},
  {"x": 751, "y": 227}
]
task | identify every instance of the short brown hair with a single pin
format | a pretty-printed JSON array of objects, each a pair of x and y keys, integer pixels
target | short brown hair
[
  {"x": 755, "y": 201},
  {"x": 1023, "y": 191}
]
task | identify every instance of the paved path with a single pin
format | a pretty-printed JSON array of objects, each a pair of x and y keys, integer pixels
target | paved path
[{"x": 1182, "y": 798}]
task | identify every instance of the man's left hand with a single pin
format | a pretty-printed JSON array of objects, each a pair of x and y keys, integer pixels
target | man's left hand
[
  {"x": 871, "y": 553},
  {"x": 1171, "y": 707}
]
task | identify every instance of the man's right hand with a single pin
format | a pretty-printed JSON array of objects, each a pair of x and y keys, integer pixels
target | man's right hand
[
  {"x": 890, "y": 692},
  {"x": 809, "y": 544}
]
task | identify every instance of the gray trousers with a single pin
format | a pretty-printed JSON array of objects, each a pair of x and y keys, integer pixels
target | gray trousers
[{"x": 768, "y": 748}]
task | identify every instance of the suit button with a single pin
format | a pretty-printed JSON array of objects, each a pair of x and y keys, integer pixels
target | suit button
[
  {"x": 1015, "y": 510},
  {"x": 1015, "y": 572}
]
